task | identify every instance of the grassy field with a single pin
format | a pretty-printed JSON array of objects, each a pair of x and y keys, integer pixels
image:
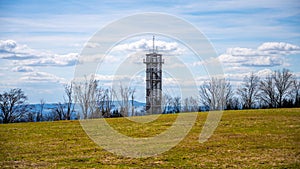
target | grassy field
[{"x": 243, "y": 139}]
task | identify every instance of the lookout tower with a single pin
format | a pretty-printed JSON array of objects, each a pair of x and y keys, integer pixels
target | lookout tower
[{"x": 153, "y": 63}]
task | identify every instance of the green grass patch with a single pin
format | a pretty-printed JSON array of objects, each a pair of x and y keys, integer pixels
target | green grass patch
[{"x": 243, "y": 139}]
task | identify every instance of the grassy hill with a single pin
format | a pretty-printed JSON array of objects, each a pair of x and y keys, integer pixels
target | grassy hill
[{"x": 243, "y": 139}]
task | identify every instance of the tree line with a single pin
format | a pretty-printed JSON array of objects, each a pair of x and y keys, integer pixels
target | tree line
[{"x": 277, "y": 90}]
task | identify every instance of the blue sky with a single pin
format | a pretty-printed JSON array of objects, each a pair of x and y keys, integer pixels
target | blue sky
[{"x": 42, "y": 40}]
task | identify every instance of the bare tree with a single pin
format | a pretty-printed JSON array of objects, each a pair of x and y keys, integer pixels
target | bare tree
[
  {"x": 283, "y": 84},
  {"x": 68, "y": 102},
  {"x": 109, "y": 100},
  {"x": 249, "y": 91},
  {"x": 268, "y": 94},
  {"x": 100, "y": 104},
  {"x": 123, "y": 99},
  {"x": 215, "y": 94},
  {"x": 176, "y": 104},
  {"x": 297, "y": 93},
  {"x": 86, "y": 96},
  {"x": 13, "y": 105},
  {"x": 132, "y": 102},
  {"x": 194, "y": 105},
  {"x": 101, "y": 98},
  {"x": 166, "y": 103},
  {"x": 64, "y": 111},
  {"x": 233, "y": 104},
  {"x": 39, "y": 114},
  {"x": 105, "y": 100},
  {"x": 190, "y": 105},
  {"x": 58, "y": 112},
  {"x": 53, "y": 115},
  {"x": 31, "y": 114},
  {"x": 186, "y": 105}
]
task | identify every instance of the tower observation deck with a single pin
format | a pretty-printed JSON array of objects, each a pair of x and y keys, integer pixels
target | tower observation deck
[{"x": 153, "y": 63}]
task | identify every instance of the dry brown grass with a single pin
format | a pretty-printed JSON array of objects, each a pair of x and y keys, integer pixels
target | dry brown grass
[{"x": 243, "y": 139}]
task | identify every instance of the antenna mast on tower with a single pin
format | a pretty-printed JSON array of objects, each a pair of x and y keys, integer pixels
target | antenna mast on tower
[{"x": 153, "y": 43}]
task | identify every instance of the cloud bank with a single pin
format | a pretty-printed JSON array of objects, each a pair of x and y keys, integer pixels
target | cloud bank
[
  {"x": 268, "y": 54},
  {"x": 146, "y": 45},
  {"x": 25, "y": 56}
]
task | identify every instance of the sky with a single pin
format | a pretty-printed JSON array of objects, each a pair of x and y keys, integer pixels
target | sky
[{"x": 41, "y": 42}]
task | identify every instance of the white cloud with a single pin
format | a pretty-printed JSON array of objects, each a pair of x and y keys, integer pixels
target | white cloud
[
  {"x": 92, "y": 45},
  {"x": 133, "y": 52},
  {"x": 116, "y": 78},
  {"x": 37, "y": 77},
  {"x": 268, "y": 54},
  {"x": 104, "y": 77},
  {"x": 98, "y": 58},
  {"x": 237, "y": 69},
  {"x": 211, "y": 60},
  {"x": 10, "y": 49},
  {"x": 263, "y": 73},
  {"x": 8, "y": 45},
  {"x": 23, "y": 69},
  {"x": 145, "y": 45},
  {"x": 25, "y": 56},
  {"x": 235, "y": 78},
  {"x": 280, "y": 47},
  {"x": 69, "y": 59}
]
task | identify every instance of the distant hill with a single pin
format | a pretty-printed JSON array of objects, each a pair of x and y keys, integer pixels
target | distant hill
[{"x": 49, "y": 107}]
